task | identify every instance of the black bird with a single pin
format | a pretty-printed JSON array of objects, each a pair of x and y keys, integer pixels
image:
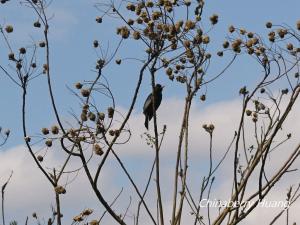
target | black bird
[{"x": 148, "y": 105}]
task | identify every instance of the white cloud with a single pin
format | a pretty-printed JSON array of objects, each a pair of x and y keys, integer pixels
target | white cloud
[{"x": 29, "y": 190}]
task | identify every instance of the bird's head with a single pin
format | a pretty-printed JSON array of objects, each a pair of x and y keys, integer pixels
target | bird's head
[{"x": 158, "y": 87}]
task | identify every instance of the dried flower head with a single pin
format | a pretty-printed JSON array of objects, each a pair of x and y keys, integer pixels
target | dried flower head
[
  {"x": 37, "y": 24},
  {"x": 48, "y": 143},
  {"x": 7, "y": 132},
  {"x": 289, "y": 46},
  {"x": 220, "y": 53},
  {"x": 83, "y": 117},
  {"x": 11, "y": 56},
  {"x": 22, "y": 50},
  {"x": 203, "y": 98},
  {"x": 231, "y": 29},
  {"x": 42, "y": 44},
  {"x": 55, "y": 129},
  {"x": 243, "y": 91},
  {"x": 92, "y": 116},
  {"x": 205, "y": 39},
  {"x": 19, "y": 65},
  {"x": 96, "y": 43},
  {"x": 94, "y": 222},
  {"x": 269, "y": 25},
  {"x": 169, "y": 71},
  {"x": 130, "y": 7},
  {"x": 136, "y": 35},
  {"x": 248, "y": 112},
  {"x": 101, "y": 115},
  {"x": 85, "y": 92},
  {"x": 281, "y": 32},
  {"x": 45, "y": 131},
  {"x": 60, "y": 189},
  {"x": 40, "y": 158},
  {"x": 189, "y": 25},
  {"x": 149, "y": 4},
  {"x": 78, "y": 218},
  {"x": 9, "y": 29},
  {"x": 124, "y": 32},
  {"x": 225, "y": 44},
  {"x": 118, "y": 61},
  {"x": 78, "y": 85},
  {"x": 110, "y": 112},
  {"x": 98, "y": 150},
  {"x": 98, "y": 19},
  {"x": 214, "y": 19},
  {"x": 87, "y": 212},
  {"x": 27, "y": 139}
]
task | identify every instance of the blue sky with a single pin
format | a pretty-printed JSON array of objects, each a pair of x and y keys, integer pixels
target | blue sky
[{"x": 72, "y": 32}]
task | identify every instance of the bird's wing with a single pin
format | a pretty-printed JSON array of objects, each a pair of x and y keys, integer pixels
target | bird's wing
[{"x": 147, "y": 103}]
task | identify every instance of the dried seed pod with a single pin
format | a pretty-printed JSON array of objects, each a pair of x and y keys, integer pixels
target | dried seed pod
[
  {"x": 22, "y": 50},
  {"x": 42, "y": 44},
  {"x": 11, "y": 56},
  {"x": 111, "y": 132},
  {"x": 40, "y": 158},
  {"x": 285, "y": 91},
  {"x": 248, "y": 112},
  {"x": 55, "y": 129},
  {"x": 48, "y": 143},
  {"x": 101, "y": 115},
  {"x": 98, "y": 19},
  {"x": 45, "y": 67},
  {"x": 37, "y": 24},
  {"x": 214, "y": 19},
  {"x": 94, "y": 222},
  {"x": 85, "y": 92},
  {"x": 9, "y": 29},
  {"x": 225, "y": 44},
  {"x": 27, "y": 139},
  {"x": 87, "y": 212},
  {"x": 18, "y": 65},
  {"x": 269, "y": 25},
  {"x": 136, "y": 35},
  {"x": 289, "y": 46},
  {"x": 6, "y": 132},
  {"x": 220, "y": 53},
  {"x": 78, "y": 85},
  {"x": 83, "y": 117},
  {"x": 98, "y": 150},
  {"x": 78, "y": 218},
  {"x": 169, "y": 71},
  {"x": 231, "y": 29},
  {"x": 205, "y": 39},
  {"x": 203, "y": 98},
  {"x": 45, "y": 131},
  {"x": 60, "y": 190},
  {"x": 110, "y": 112},
  {"x": 92, "y": 116},
  {"x": 96, "y": 44}
]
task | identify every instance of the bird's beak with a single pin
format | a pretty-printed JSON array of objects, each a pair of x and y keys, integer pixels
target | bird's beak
[{"x": 162, "y": 87}]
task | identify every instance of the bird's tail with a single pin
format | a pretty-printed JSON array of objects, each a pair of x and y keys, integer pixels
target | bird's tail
[{"x": 146, "y": 122}]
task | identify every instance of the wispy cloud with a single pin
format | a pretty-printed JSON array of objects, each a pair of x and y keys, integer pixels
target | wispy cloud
[{"x": 30, "y": 189}]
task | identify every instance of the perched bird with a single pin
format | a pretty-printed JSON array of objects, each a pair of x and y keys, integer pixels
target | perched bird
[{"x": 148, "y": 105}]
